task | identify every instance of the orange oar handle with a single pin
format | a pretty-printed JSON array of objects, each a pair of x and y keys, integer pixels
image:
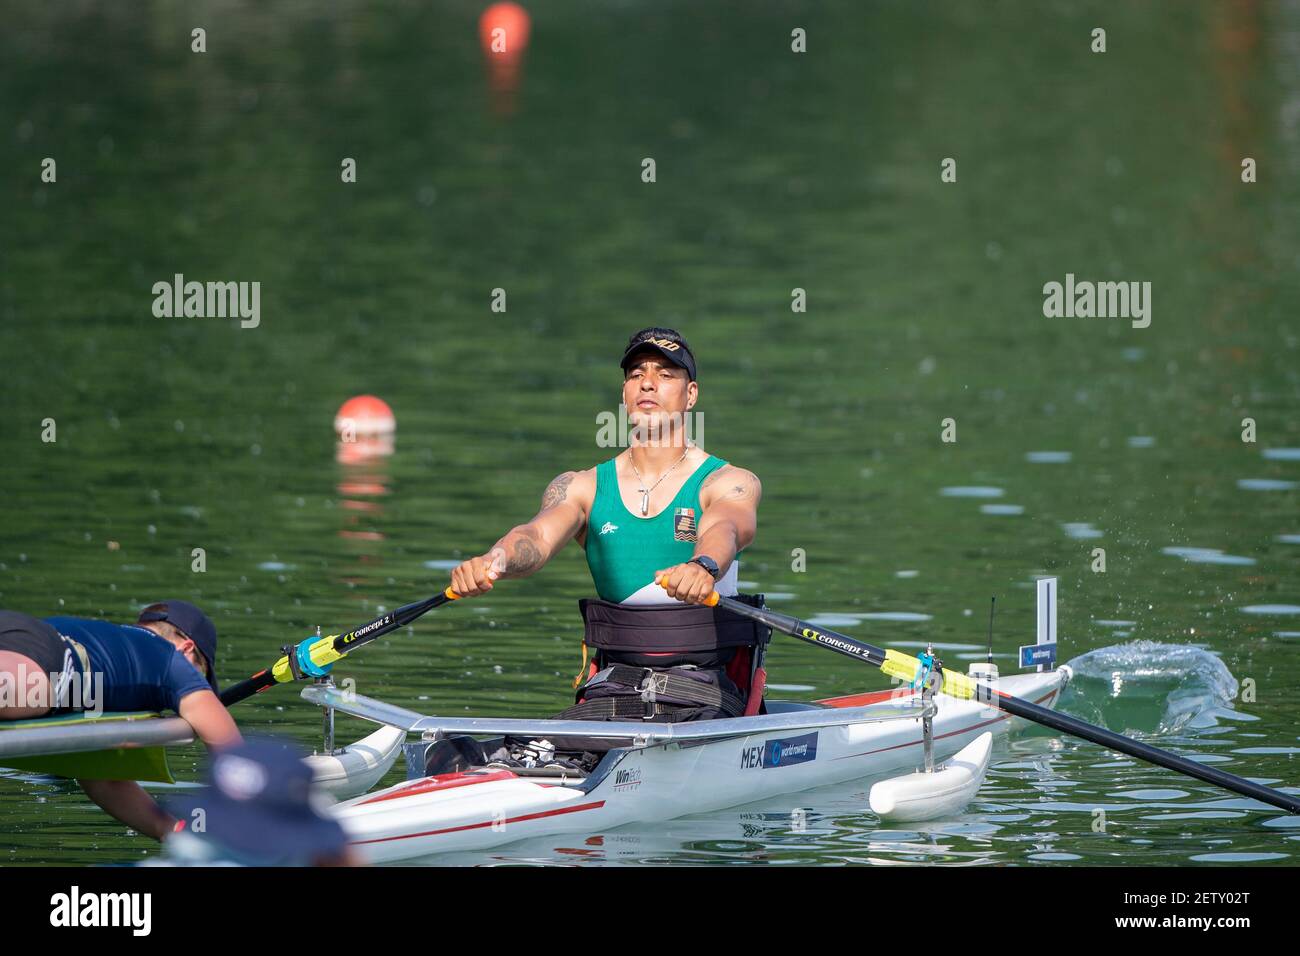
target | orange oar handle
[{"x": 710, "y": 601}]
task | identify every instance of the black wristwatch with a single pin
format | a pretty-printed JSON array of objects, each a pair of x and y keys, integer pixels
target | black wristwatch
[{"x": 707, "y": 563}]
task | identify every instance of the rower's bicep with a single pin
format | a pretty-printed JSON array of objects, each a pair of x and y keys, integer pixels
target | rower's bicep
[
  {"x": 732, "y": 489},
  {"x": 734, "y": 498},
  {"x": 557, "y": 525},
  {"x": 563, "y": 513},
  {"x": 560, "y": 491}
]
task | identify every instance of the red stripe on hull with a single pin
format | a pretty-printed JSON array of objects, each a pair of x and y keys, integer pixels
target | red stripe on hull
[
  {"x": 488, "y": 823},
  {"x": 445, "y": 781},
  {"x": 862, "y": 700}
]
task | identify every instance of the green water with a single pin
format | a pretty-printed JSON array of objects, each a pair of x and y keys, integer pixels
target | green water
[{"x": 775, "y": 171}]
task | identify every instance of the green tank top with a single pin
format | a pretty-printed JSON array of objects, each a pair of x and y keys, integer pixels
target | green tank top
[{"x": 625, "y": 550}]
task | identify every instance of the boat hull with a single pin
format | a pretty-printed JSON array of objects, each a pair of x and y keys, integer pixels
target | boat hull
[{"x": 479, "y": 809}]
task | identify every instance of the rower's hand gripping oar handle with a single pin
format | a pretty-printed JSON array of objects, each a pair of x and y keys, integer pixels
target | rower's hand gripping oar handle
[{"x": 314, "y": 656}]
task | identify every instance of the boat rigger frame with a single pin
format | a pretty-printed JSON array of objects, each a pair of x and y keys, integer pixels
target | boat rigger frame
[
  {"x": 113, "y": 731},
  {"x": 430, "y": 727}
]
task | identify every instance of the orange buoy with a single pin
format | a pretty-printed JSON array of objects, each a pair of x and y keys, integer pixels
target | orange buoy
[
  {"x": 503, "y": 32},
  {"x": 364, "y": 415}
]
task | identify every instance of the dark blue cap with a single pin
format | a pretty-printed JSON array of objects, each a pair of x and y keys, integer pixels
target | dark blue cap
[
  {"x": 260, "y": 807},
  {"x": 193, "y": 623}
]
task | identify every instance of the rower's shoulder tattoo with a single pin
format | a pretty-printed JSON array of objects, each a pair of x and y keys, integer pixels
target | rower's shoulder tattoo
[
  {"x": 737, "y": 484},
  {"x": 575, "y": 486},
  {"x": 558, "y": 489}
]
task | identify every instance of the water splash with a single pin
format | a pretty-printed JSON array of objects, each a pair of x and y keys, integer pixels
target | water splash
[{"x": 1150, "y": 687}]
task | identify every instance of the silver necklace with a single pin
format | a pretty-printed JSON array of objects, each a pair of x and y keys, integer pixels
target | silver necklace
[{"x": 645, "y": 492}]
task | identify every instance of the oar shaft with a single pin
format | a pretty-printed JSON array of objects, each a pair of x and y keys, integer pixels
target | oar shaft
[
  {"x": 389, "y": 622},
  {"x": 329, "y": 649},
  {"x": 805, "y": 631},
  {"x": 1135, "y": 748},
  {"x": 893, "y": 663}
]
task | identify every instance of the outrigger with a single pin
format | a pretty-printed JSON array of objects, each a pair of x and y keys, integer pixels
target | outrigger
[{"x": 133, "y": 746}]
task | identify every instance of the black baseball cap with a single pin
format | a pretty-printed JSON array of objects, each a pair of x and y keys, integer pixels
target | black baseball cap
[
  {"x": 191, "y": 622},
  {"x": 667, "y": 342}
]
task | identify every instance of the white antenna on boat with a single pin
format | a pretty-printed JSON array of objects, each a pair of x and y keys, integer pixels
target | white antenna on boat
[
  {"x": 993, "y": 603},
  {"x": 987, "y": 671}
]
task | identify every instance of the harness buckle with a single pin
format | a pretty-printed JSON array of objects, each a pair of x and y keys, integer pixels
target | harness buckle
[{"x": 652, "y": 684}]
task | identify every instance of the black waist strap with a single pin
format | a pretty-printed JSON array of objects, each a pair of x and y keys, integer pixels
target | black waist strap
[
  {"x": 646, "y": 689},
  {"x": 617, "y": 708},
  {"x": 672, "y": 628}
]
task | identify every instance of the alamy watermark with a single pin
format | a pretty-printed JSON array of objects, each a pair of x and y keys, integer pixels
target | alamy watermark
[
  {"x": 616, "y": 430},
  {"x": 1103, "y": 300},
  {"x": 209, "y": 300},
  {"x": 133, "y": 911},
  {"x": 67, "y": 690}
]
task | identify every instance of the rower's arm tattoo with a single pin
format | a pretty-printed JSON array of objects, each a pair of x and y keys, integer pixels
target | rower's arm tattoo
[
  {"x": 520, "y": 551},
  {"x": 557, "y": 490},
  {"x": 737, "y": 493},
  {"x": 523, "y": 558},
  {"x": 743, "y": 486},
  {"x": 526, "y": 548}
]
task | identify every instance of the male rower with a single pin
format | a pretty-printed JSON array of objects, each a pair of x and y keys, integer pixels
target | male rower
[
  {"x": 662, "y": 510},
  {"x": 69, "y": 665}
]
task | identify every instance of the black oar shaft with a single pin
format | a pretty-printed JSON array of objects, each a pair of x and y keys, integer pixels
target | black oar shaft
[
  {"x": 1135, "y": 748},
  {"x": 860, "y": 650},
  {"x": 806, "y": 632},
  {"x": 342, "y": 644},
  {"x": 247, "y": 687},
  {"x": 387, "y": 623}
]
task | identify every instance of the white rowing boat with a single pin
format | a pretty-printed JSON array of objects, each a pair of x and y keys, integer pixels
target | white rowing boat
[{"x": 654, "y": 771}]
